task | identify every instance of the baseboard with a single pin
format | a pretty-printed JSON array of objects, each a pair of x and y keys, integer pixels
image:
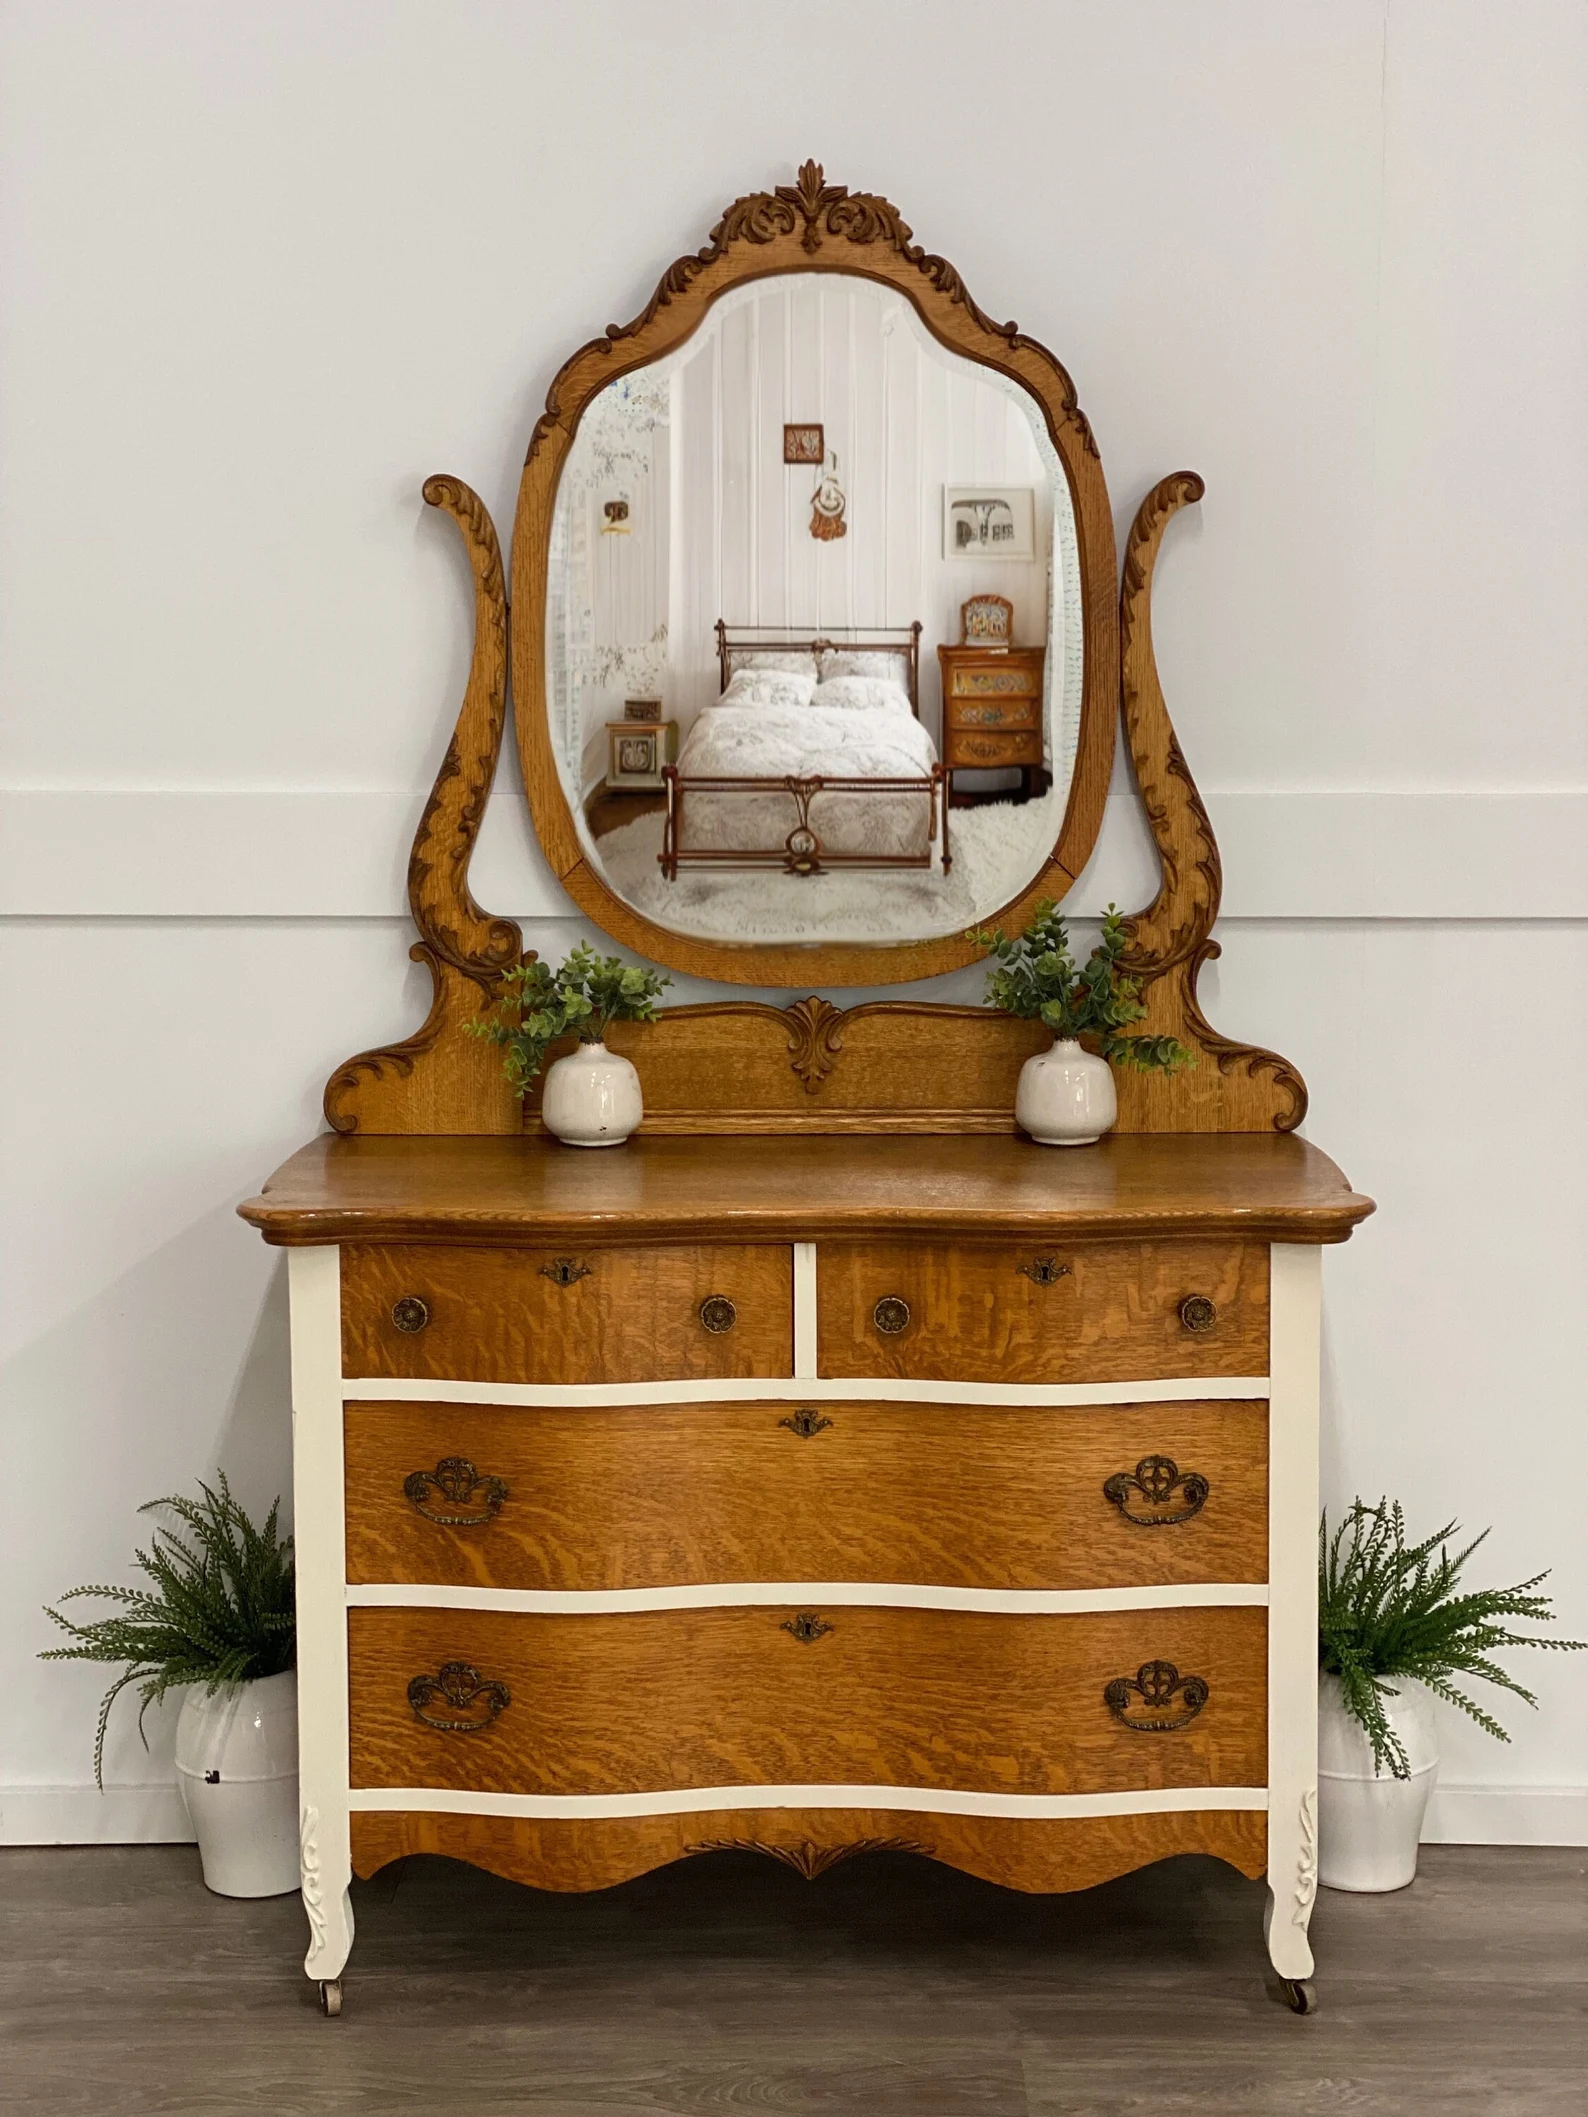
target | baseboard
[
  {"x": 154, "y": 1815},
  {"x": 82, "y": 1815},
  {"x": 1507, "y": 1815}
]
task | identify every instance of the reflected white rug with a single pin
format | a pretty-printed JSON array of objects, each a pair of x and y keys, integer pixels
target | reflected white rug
[{"x": 996, "y": 849}]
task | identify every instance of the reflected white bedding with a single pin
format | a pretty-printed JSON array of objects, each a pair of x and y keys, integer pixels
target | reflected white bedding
[{"x": 738, "y": 742}]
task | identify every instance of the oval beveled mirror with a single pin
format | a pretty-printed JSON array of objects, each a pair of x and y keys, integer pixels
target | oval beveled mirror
[{"x": 814, "y": 634}]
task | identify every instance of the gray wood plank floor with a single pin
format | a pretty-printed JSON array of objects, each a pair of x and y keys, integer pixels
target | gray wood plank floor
[{"x": 889, "y": 1988}]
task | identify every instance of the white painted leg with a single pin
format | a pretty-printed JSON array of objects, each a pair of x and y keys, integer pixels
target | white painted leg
[
  {"x": 326, "y": 1853},
  {"x": 1294, "y": 1290}
]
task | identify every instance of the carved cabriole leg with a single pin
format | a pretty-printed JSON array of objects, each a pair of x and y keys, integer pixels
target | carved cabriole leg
[
  {"x": 1234, "y": 1087},
  {"x": 439, "y": 1080},
  {"x": 1293, "y": 1605},
  {"x": 327, "y": 1866}
]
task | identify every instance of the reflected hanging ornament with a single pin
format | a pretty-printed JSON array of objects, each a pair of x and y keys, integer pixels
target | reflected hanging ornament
[{"x": 827, "y": 506}]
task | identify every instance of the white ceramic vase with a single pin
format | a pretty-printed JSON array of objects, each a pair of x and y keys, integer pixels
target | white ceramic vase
[
  {"x": 1066, "y": 1096},
  {"x": 592, "y": 1098},
  {"x": 237, "y": 1766},
  {"x": 1369, "y": 1826}
]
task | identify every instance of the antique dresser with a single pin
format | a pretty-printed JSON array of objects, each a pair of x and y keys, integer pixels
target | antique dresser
[{"x": 828, "y": 1468}]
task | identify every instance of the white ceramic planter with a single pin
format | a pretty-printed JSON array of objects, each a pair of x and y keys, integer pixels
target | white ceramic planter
[
  {"x": 1369, "y": 1827},
  {"x": 1066, "y": 1097},
  {"x": 237, "y": 1766},
  {"x": 592, "y": 1098}
]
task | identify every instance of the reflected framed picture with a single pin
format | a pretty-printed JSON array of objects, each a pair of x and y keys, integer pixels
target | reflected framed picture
[
  {"x": 989, "y": 522},
  {"x": 804, "y": 444}
]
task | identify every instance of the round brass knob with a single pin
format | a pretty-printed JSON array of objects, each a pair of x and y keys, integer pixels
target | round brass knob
[
  {"x": 1197, "y": 1313},
  {"x": 891, "y": 1315},
  {"x": 717, "y": 1313},
  {"x": 410, "y": 1313}
]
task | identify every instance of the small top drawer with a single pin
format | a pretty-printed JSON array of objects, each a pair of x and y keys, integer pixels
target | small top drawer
[
  {"x": 452, "y": 1313},
  {"x": 1041, "y": 1312}
]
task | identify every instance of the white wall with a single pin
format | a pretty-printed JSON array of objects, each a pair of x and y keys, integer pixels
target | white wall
[{"x": 263, "y": 268}]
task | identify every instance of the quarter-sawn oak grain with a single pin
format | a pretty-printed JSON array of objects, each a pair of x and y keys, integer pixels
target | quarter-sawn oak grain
[
  {"x": 646, "y": 1701},
  {"x": 976, "y": 1315},
  {"x": 946, "y": 1495},
  {"x": 1260, "y": 1187},
  {"x": 634, "y": 1315},
  {"x": 1034, "y": 1854}
]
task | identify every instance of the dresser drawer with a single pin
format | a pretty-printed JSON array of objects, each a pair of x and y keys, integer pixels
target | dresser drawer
[
  {"x": 591, "y": 1315},
  {"x": 734, "y": 1697},
  {"x": 992, "y": 750},
  {"x": 1082, "y": 1312},
  {"x": 477, "y": 1495},
  {"x": 995, "y": 713}
]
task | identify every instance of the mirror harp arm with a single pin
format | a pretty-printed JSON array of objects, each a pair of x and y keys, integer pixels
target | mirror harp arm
[
  {"x": 438, "y": 1080},
  {"x": 1244, "y": 1088}
]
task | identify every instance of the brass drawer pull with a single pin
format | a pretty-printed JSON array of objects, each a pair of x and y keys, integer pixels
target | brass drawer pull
[
  {"x": 565, "y": 1270},
  {"x": 717, "y": 1314},
  {"x": 805, "y": 1422},
  {"x": 460, "y": 1485},
  {"x": 1197, "y": 1313},
  {"x": 1044, "y": 1271},
  {"x": 410, "y": 1313},
  {"x": 1146, "y": 1702},
  {"x": 458, "y": 1685},
  {"x": 806, "y": 1627},
  {"x": 1157, "y": 1478},
  {"x": 891, "y": 1315}
]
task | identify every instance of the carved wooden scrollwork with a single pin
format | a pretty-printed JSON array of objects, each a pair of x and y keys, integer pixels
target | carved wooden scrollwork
[
  {"x": 1244, "y": 1088},
  {"x": 464, "y": 949},
  {"x": 805, "y": 1858}
]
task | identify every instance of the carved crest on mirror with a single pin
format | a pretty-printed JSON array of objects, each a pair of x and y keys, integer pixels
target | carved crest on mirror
[{"x": 775, "y": 264}]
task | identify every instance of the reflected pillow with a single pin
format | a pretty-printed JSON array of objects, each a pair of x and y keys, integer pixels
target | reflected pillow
[
  {"x": 790, "y": 662},
  {"x": 863, "y": 694},
  {"x": 768, "y": 687},
  {"x": 892, "y": 668}
]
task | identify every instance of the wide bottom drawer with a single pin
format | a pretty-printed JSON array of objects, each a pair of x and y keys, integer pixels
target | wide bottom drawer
[{"x": 492, "y": 1702}]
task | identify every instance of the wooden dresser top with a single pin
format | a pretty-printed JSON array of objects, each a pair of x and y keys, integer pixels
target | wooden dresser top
[{"x": 779, "y": 1188}]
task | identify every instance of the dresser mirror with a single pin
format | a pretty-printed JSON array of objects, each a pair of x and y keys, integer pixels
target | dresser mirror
[{"x": 768, "y": 733}]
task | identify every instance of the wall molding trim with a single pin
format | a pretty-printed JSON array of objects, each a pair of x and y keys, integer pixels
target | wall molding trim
[{"x": 1288, "y": 853}]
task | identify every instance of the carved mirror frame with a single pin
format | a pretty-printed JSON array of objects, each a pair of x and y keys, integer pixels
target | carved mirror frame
[
  {"x": 810, "y": 227},
  {"x": 742, "y": 1065}
]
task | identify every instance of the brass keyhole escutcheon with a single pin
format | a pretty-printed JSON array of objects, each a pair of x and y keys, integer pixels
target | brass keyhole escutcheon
[
  {"x": 805, "y": 1422},
  {"x": 891, "y": 1315},
  {"x": 410, "y": 1313},
  {"x": 563, "y": 1271},
  {"x": 718, "y": 1314},
  {"x": 1044, "y": 1271},
  {"x": 806, "y": 1627},
  {"x": 1197, "y": 1313}
]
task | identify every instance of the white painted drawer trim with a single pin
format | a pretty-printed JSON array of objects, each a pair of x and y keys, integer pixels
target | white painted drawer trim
[
  {"x": 706, "y": 1800},
  {"x": 786, "y": 1389},
  {"x": 887, "y": 1595}
]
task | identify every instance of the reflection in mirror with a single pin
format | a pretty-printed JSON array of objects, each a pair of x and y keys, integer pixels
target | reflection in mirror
[{"x": 814, "y": 656}]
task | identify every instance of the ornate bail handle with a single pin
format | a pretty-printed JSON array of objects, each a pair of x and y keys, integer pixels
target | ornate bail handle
[
  {"x": 805, "y": 1422},
  {"x": 1044, "y": 1271},
  {"x": 563, "y": 1271},
  {"x": 458, "y": 1685},
  {"x": 807, "y": 1626},
  {"x": 1156, "y": 1479},
  {"x": 1147, "y": 1701},
  {"x": 461, "y": 1486}
]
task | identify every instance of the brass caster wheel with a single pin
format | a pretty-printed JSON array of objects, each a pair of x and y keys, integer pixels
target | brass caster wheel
[
  {"x": 331, "y": 1996},
  {"x": 1300, "y": 1995}
]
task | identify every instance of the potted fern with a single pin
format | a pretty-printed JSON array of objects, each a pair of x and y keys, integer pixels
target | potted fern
[
  {"x": 1065, "y": 1096},
  {"x": 592, "y": 1097},
  {"x": 1393, "y": 1627},
  {"x": 218, "y": 1617}
]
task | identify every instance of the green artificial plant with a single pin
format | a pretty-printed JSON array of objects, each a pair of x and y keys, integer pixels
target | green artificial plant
[
  {"x": 1388, "y": 1608},
  {"x": 540, "y": 1005},
  {"x": 1036, "y": 978},
  {"x": 221, "y": 1609}
]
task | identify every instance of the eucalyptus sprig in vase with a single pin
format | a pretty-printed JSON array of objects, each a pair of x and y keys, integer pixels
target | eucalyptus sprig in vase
[
  {"x": 592, "y": 1096},
  {"x": 1066, "y": 1094}
]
